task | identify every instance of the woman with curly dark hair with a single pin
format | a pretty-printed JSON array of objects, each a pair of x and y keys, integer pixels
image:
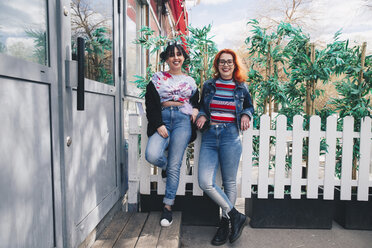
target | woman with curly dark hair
[{"x": 172, "y": 101}]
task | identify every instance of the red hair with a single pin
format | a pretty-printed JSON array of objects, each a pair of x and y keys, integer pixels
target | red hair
[{"x": 239, "y": 74}]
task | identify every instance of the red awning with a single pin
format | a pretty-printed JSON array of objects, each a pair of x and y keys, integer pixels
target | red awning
[{"x": 180, "y": 15}]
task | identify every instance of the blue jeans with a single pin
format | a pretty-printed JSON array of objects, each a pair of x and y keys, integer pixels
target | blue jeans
[
  {"x": 220, "y": 147},
  {"x": 179, "y": 132}
]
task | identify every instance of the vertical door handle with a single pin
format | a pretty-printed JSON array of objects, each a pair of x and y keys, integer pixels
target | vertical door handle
[{"x": 81, "y": 66}]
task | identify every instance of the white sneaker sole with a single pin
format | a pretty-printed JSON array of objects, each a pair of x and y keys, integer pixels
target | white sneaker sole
[{"x": 165, "y": 223}]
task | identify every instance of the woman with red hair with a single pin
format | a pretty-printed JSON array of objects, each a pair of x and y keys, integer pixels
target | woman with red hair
[{"x": 226, "y": 108}]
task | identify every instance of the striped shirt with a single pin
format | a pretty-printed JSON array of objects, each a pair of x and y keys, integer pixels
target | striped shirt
[{"x": 222, "y": 106}]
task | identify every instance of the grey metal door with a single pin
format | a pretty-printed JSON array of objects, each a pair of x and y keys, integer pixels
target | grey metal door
[
  {"x": 92, "y": 155},
  {"x": 30, "y": 192}
]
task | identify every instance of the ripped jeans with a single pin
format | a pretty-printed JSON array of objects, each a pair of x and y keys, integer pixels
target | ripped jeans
[
  {"x": 220, "y": 148},
  {"x": 179, "y": 132}
]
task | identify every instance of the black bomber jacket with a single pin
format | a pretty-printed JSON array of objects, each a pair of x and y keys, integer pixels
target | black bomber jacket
[{"x": 153, "y": 110}]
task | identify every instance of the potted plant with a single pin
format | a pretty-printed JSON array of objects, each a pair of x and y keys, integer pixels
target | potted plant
[
  {"x": 354, "y": 89},
  {"x": 286, "y": 70},
  {"x": 288, "y": 212}
]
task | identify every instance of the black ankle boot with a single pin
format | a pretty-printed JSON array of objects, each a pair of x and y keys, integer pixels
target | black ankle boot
[
  {"x": 222, "y": 233},
  {"x": 237, "y": 224}
]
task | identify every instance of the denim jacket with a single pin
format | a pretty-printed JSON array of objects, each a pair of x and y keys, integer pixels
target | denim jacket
[{"x": 243, "y": 101}]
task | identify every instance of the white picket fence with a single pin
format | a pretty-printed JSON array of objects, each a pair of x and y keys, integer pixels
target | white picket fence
[{"x": 320, "y": 174}]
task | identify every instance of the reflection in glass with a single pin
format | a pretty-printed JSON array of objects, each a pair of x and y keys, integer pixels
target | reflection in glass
[
  {"x": 132, "y": 57},
  {"x": 92, "y": 20},
  {"x": 23, "y": 29},
  {"x": 153, "y": 57}
]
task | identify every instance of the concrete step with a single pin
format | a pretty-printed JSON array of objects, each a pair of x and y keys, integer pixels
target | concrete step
[{"x": 140, "y": 230}]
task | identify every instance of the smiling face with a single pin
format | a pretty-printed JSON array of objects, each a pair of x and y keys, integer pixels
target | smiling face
[
  {"x": 226, "y": 66},
  {"x": 175, "y": 62}
]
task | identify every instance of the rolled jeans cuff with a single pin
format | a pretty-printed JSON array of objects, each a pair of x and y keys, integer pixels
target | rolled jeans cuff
[{"x": 169, "y": 202}]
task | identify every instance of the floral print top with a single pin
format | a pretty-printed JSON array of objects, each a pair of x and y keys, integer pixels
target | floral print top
[{"x": 175, "y": 88}]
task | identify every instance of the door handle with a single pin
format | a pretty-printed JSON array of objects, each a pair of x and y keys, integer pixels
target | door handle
[{"x": 81, "y": 74}]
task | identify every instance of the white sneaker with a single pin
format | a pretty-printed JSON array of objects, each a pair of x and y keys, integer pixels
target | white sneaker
[{"x": 166, "y": 218}]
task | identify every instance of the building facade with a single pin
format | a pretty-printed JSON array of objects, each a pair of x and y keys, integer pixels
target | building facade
[{"x": 63, "y": 112}]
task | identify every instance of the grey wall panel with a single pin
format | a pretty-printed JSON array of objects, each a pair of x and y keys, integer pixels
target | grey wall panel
[
  {"x": 92, "y": 174},
  {"x": 26, "y": 208}
]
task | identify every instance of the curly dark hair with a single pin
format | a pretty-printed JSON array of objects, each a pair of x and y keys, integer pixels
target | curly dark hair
[{"x": 169, "y": 51}]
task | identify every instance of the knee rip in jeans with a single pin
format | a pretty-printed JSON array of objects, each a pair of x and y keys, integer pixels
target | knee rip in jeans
[{"x": 206, "y": 186}]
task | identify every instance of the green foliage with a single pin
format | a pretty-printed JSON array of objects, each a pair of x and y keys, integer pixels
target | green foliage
[
  {"x": 155, "y": 44},
  {"x": 324, "y": 113},
  {"x": 98, "y": 48},
  {"x": 148, "y": 41},
  {"x": 201, "y": 50},
  {"x": 353, "y": 96},
  {"x": 40, "y": 48},
  {"x": 289, "y": 46},
  {"x": 353, "y": 101},
  {"x": 262, "y": 46},
  {"x": 99, "y": 43},
  {"x": 142, "y": 81}
]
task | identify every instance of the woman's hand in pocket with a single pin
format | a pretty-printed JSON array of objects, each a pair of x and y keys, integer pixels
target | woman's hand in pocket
[{"x": 162, "y": 131}]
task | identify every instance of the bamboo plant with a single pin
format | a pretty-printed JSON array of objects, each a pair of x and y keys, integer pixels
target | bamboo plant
[
  {"x": 354, "y": 98},
  {"x": 200, "y": 47},
  {"x": 202, "y": 51},
  {"x": 304, "y": 67}
]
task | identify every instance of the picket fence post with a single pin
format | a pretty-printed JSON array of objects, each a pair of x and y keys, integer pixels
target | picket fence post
[
  {"x": 297, "y": 135},
  {"x": 330, "y": 162},
  {"x": 313, "y": 158},
  {"x": 281, "y": 138},
  {"x": 133, "y": 178},
  {"x": 365, "y": 158},
  {"x": 347, "y": 157}
]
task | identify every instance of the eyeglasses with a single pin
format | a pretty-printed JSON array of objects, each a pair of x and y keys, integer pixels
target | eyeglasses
[{"x": 224, "y": 62}]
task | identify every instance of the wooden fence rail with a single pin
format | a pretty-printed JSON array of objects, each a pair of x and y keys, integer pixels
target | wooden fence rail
[{"x": 272, "y": 169}]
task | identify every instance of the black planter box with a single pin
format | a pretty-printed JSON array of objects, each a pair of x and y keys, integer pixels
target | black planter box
[
  {"x": 196, "y": 210},
  {"x": 353, "y": 214},
  {"x": 289, "y": 213}
]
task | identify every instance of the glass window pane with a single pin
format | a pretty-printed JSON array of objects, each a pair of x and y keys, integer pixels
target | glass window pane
[
  {"x": 92, "y": 20},
  {"x": 154, "y": 57},
  {"x": 24, "y": 29},
  {"x": 133, "y": 61}
]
